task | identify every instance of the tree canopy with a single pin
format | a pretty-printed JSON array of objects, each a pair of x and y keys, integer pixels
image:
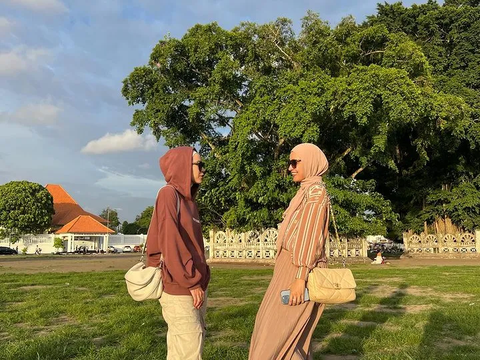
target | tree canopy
[
  {"x": 395, "y": 113},
  {"x": 25, "y": 208},
  {"x": 111, "y": 215}
]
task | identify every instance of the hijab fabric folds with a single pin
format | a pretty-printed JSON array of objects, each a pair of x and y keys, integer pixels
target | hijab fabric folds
[{"x": 315, "y": 164}]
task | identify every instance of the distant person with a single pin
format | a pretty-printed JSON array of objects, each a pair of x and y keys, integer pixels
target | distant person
[
  {"x": 379, "y": 259},
  {"x": 285, "y": 331},
  {"x": 176, "y": 233}
]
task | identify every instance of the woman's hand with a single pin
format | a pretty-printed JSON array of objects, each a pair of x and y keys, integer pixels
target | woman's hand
[
  {"x": 297, "y": 290},
  {"x": 198, "y": 297}
]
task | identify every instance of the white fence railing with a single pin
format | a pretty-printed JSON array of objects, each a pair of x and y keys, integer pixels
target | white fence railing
[
  {"x": 442, "y": 244},
  {"x": 252, "y": 245}
]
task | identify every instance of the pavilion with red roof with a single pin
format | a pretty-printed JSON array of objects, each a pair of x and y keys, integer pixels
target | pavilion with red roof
[{"x": 76, "y": 226}]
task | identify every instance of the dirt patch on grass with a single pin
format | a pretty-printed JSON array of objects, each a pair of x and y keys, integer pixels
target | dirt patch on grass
[
  {"x": 448, "y": 343},
  {"x": 346, "y": 306},
  {"x": 340, "y": 357},
  {"x": 5, "y": 336},
  {"x": 389, "y": 327},
  {"x": 98, "y": 341},
  {"x": 383, "y": 291},
  {"x": 380, "y": 280},
  {"x": 320, "y": 344},
  {"x": 408, "y": 309},
  {"x": 257, "y": 277},
  {"x": 33, "y": 287},
  {"x": 63, "y": 320},
  {"x": 411, "y": 309},
  {"x": 224, "y": 301},
  {"x": 419, "y": 291},
  {"x": 359, "y": 323}
]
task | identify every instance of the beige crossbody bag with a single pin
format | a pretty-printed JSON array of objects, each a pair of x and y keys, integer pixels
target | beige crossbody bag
[
  {"x": 145, "y": 282},
  {"x": 331, "y": 286}
]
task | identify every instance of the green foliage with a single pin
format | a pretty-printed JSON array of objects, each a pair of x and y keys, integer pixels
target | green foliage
[
  {"x": 58, "y": 243},
  {"x": 111, "y": 215},
  {"x": 25, "y": 208},
  {"x": 143, "y": 220},
  {"x": 383, "y": 104}
]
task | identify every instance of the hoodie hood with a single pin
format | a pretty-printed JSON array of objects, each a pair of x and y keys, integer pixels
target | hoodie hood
[{"x": 176, "y": 166}]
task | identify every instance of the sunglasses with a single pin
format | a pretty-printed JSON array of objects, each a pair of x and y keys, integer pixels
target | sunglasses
[
  {"x": 293, "y": 163},
  {"x": 201, "y": 165}
]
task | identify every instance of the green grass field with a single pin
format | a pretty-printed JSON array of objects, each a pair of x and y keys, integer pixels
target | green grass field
[{"x": 411, "y": 313}]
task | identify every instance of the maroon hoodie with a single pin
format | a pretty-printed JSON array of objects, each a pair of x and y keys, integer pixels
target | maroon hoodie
[{"x": 178, "y": 236}]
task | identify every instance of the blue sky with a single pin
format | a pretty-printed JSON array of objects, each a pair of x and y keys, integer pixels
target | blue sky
[{"x": 62, "y": 117}]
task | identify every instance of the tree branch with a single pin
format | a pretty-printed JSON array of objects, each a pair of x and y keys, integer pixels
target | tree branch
[
  {"x": 345, "y": 153},
  {"x": 357, "y": 172},
  {"x": 274, "y": 40},
  {"x": 374, "y": 52}
]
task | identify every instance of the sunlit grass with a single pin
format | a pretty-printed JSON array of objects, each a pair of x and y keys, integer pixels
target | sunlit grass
[{"x": 415, "y": 313}]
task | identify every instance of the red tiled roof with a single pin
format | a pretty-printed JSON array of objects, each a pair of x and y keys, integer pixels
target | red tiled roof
[
  {"x": 66, "y": 208},
  {"x": 84, "y": 224}
]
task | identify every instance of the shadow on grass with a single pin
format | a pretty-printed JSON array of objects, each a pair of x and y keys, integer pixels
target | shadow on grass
[
  {"x": 451, "y": 334},
  {"x": 352, "y": 338}
]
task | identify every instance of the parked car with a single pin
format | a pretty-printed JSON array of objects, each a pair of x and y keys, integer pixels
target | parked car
[
  {"x": 7, "y": 251},
  {"x": 137, "y": 248},
  {"x": 127, "y": 248},
  {"x": 112, "y": 249},
  {"x": 85, "y": 250}
]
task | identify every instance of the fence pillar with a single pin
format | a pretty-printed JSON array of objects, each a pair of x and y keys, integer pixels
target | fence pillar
[
  {"x": 405, "y": 242},
  {"x": 212, "y": 244},
  {"x": 477, "y": 240},
  {"x": 364, "y": 248}
]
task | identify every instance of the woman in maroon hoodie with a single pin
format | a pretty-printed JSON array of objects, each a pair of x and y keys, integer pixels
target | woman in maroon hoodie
[{"x": 176, "y": 233}]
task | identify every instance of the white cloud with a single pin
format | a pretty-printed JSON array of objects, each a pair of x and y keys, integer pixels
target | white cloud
[
  {"x": 128, "y": 184},
  {"x": 22, "y": 59},
  {"x": 45, "y": 6},
  {"x": 43, "y": 113},
  {"x": 145, "y": 166},
  {"x": 127, "y": 141},
  {"x": 6, "y": 26}
]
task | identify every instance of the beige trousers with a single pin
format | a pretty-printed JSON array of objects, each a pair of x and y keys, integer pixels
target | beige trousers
[{"x": 186, "y": 326}]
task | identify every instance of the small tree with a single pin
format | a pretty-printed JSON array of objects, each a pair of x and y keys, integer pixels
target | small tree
[
  {"x": 58, "y": 243},
  {"x": 25, "y": 208},
  {"x": 111, "y": 215},
  {"x": 143, "y": 220}
]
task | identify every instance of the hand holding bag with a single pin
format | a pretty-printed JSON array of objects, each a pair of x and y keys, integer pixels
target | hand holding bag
[
  {"x": 145, "y": 282},
  {"x": 331, "y": 286}
]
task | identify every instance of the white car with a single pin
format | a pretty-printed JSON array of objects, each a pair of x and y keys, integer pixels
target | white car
[{"x": 127, "y": 248}]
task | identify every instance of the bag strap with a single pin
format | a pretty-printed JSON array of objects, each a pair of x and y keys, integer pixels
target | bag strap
[
  {"x": 336, "y": 232},
  {"x": 144, "y": 244}
]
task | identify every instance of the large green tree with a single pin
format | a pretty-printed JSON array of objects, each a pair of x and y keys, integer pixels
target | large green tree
[
  {"x": 364, "y": 93},
  {"x": 25, "y": 208},
  {"x": 449, "y": 36},
  {"x": 111, "y": 215}
]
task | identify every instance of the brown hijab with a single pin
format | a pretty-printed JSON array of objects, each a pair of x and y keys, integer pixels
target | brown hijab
[{"x": 315, "y": 164}]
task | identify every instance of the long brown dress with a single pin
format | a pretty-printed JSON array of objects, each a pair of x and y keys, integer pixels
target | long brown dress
[{"x": 282, "y": 331}]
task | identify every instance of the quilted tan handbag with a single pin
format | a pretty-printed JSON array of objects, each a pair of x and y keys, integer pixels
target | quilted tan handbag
[
  {"x": 331, "y": 286},
  {"x": 145, "y": 282}
]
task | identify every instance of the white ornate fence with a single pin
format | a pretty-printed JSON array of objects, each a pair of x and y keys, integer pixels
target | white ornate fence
[
  {"x": 261, "y": 245},
  {"x": 442, "y": 244}
]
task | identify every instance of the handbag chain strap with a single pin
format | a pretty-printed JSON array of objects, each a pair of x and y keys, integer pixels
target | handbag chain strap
[
  {"x": 336, "y": 233},
  {"x": 144, "y": 244}
]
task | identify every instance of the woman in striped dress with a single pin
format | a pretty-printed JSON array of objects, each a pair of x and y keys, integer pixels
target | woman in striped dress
[{"x": 285, "y": 331}]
